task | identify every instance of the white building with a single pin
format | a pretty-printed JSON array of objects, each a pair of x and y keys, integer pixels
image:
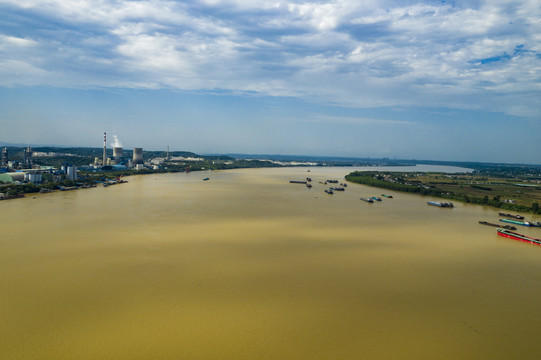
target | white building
[
  {"x": 71, "y": 172},
  {"x": 35, "y": 178}
]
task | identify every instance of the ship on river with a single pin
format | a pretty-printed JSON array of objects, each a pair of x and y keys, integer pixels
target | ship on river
[
  {"x": 517, "y": 236},
  {"x": 523, "y": 223},
  {"x": 520, "y": 217},
  {"x": 508, "y": 227},
  {"x": 441, "y": 204}
]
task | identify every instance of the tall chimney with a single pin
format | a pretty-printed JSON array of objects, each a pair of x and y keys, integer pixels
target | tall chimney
[{"x": 104, "y": 162}]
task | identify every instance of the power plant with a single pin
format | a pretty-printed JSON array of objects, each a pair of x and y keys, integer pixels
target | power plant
[{"x": 120, "y": 159}]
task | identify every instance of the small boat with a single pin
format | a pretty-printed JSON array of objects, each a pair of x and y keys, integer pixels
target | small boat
[
  {"x": 376, "y": 198},
  {"x": 338, "y": 189},
  {"x": 441, "y": 204},
  {"x": 520, "y": 217},
  {"x": 508, "y": 227},
  {"x": 308, "y": 179},
  {"x": 387, "y": 196},
  {"x": 515, "y": 236},
  {"x": 308, "y": 185},
  {"x": 206, "y": 179},
  {"x": 368, "y": 200},
  {"x": 329, "y": 191}
]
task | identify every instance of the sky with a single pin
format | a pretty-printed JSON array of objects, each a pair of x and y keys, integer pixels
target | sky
[{"x": 435, "y": 80}]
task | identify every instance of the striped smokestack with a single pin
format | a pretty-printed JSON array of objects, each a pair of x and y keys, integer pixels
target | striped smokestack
[{"x": 104, "y": 162}]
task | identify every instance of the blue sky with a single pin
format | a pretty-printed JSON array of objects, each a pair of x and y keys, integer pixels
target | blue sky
[{"x": 440, "y": 80}]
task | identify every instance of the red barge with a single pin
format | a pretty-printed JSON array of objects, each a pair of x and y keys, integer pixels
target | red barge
[{"x": 515, "y": 236}]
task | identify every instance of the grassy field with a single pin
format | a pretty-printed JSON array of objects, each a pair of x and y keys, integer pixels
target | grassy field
[
  {"x": 481, "y": 186},
  {"x": 513, "y": 193}
]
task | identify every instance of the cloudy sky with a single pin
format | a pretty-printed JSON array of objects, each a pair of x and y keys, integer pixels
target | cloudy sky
[{"x": 441, "y": 80}]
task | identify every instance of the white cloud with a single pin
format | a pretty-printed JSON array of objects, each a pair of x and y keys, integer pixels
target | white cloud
[{"x": 357, "y": 54}]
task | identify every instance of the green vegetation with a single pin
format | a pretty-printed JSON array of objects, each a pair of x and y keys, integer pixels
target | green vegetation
[{"x": 514, "y": 194}]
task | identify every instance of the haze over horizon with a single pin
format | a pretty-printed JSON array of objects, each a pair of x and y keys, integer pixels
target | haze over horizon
[{"x": 434, "y": 80}]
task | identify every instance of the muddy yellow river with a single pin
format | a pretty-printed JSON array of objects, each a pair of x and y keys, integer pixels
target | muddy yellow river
[{"x": 248, "y": 266}]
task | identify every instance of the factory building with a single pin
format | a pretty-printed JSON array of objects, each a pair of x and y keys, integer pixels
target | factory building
[
  {"x": 71, "y": 172},
  {"x": 4, "y": 160},
  {"x": 33, "y": 177},
  {"x": 27, "y": 162},
  {"x": 12, "y": 177}
]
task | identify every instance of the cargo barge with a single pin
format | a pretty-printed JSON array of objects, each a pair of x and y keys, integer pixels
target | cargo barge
[
  {"x": 441, "y": 204},
  {"x": 519, "y": 237},
  {"x": 508, "y": 227},
  {"x": 523, "y": 223},
  {"x": 512, "y": 216}
]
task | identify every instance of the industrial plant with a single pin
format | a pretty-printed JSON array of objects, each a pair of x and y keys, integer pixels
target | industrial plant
[
  {"x": 23, "y": 169},
  {"x": 44, "y": 169}
]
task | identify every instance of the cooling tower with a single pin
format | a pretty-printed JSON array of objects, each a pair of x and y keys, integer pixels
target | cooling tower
[
  {"x": 117, "y": 152},
  {"x": 137, "y": 156}
]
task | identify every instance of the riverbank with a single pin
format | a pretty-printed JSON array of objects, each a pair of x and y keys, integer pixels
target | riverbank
[{"x": 510, "y": 193}]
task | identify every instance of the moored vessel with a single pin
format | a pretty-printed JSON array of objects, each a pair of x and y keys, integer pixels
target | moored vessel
[
  {"x": 523, "y": 223},
  {"x": 516, "y": 236},
  {"x": 520, "y": 217},
  {"x": 441, "y": 204},
  {"x": 508, "y": 227},
  {"x": 368, "y": 200}
]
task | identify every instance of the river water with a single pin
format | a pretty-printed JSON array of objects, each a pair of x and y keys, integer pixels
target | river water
[{"x": 248, "y": 266}]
